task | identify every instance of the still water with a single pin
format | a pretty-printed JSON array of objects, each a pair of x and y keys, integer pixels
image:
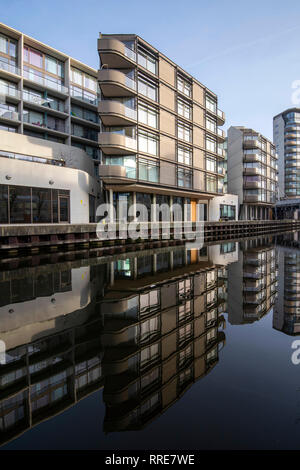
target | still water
[{"x": 168, "y": 349}]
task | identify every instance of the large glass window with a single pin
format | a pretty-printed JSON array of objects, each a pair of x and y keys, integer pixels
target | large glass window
[
  {"x": 184, "y": 177},
  {"x": 184, "y": 109},
  {"x": 148, "y": 170},
  {"x": 184, "y": 131},
  {"x": 147, "y": 115},
  {"x": 147, "y": 60},
  {"x": 84, "y": 113},
  {"x": 148, "y": 142},
  {"x": 211, "y": 144},
  {"x": 211, "y": 104},
  {"x": 184, "y": 155},
  {"x": 211, "y": 184},
  {"x": 184, "y": 86},
  {"x": 25, "y": 205},
  {"x": 147, "y": 87},
  {"x": 211, "y": 164},
  {"x": 227, "y": 212}
]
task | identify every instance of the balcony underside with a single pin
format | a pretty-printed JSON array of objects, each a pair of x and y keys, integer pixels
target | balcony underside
[
  {"x": 111, "y": 119},
  {"x": 110, "y": 89},
  {"x": 115, "y": 60}
]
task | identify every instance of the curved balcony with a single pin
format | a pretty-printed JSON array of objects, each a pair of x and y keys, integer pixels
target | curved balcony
[
  {"x": 115, "y": 54},
  {"x": 113, "y": 113},
  {"x": 252, "y": 157},
  {"x": 251, "y": 171},
  {"x": 116, "y": 83},
  {"x": 221, "y": 136},
  {"x": 252, "y": 143},
  {"x": 117, "y": 144},
  {"x": 220, "y": 117},
  {"x": 252, "y": 199},
  {"x": 112, "y": 173},
  {"x": 251, "y": 184}
]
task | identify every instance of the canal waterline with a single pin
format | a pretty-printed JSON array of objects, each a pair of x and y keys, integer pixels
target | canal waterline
[{"x": 165, "y": 350}]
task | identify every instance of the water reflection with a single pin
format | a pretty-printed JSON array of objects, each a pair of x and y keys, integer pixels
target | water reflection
[{"x": 144, "y": 327}]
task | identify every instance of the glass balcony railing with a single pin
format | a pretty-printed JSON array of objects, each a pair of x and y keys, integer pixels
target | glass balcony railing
[
  {"x": 130, "y": 53},
  {"x": 82, "y": 95},
  {"x": 9, "y": 67},
  {"x": 54, "y": 126},
  {"x": 11, "y": 115},
  {"x": 44, "y": 80},
  {"x": 46, "y": 102},
  {"x": 7, "y": 90},
  {"x": 130, "y": 83}
]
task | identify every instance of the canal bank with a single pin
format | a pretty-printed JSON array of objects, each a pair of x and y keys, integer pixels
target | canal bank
[{"x": 20, "y": 240}]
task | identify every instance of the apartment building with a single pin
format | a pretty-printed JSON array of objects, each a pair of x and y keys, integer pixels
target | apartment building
[
  {"x": 145, "y": 328},
  {"x": 252, "y": 282},
  {"x": 48, "y": 121},
  {"x": 286, "y": 135},
  {"x": 252, "y": 172},
  {"x": 286, "y": 316},
  {"x": 160, "y": 136}
]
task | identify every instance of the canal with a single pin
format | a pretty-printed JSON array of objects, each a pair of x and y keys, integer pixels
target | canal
[{"x": 160, "y": 349}]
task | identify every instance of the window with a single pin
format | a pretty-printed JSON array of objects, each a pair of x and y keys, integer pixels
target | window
[
  {"x": 227, "y": 212},
  {"x": 184, "y": 155},
  {"x": 211, "y": 124},
  {"x": 147, "y": 87},
  {"x": 33, "y": 117},
  {"x": 184, "y": 86},
  {"x": 211, "y": 144},
  {"x": 149, "y": 329},
  {"x": 211, "y": 184},
  {"x": 147, "y": 115},
  {"x": 184, "y": 131},
  {"x": 211, "y": 164},
  {"x": 185, "y": 334},
  {"x": 149, "y": 355},
  {"x": 148, "y": 170},
  {"x": 84, "y": 132},
  {"x": 211, "y": 104},
  {"x": 149, "y": 301},
  {"x": 147, "y": 142},
  {"x": 147, "y": 60},
  {"x": 184, "y": 177},
  {"x": 184, "y": 109}
]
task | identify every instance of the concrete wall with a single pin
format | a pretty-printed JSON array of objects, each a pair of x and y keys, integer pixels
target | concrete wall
[
  {"x": 73, "y": 156},
  {"x": 235, "y": 163},
  {"x": 214, "y": 206},
  {"x": 79, "y": 183}
]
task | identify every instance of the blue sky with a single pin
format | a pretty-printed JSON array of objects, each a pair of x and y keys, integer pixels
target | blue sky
[{"x": 246, "y": 52}]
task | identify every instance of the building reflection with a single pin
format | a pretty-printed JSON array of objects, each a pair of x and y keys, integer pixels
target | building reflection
[
  {"x": 286, "y": 316},
  {"x": 144, "y": 327},
  {"x": 252, "y": 281}
]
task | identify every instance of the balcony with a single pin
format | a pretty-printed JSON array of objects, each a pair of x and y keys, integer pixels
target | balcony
[
  {"x": 60, "y": 127},
  {"x": 252, "y": 184},
  {"x": 117, "y": 144},
  {"x": 252, "y": 143},
  {"x": 9, "y": 115},
  {"x": 44, "y": 81},
  {"x": 5, "y": 67},
  {"x": 252, "y": 157},
  {"x": 221, "y": 136},
  {"x": 116, "y": 83},
  {"x": 221, "y": 152},
  {"x": 114, "y": 113},
  {"x": 253, "y": 198},
  {"x": 112, "y": 173},
  {"x": 251, "y": 171},
  {"x": 10, "y": 92},
  {"x": 115, "y": 54},
  {"x": 220, "y": 117}
]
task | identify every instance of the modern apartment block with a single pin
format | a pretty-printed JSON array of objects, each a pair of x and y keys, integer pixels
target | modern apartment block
[
  {"x": 286, "y": 134},
  {"x": 252, "y": 172},
  {"x": 160, "y": 136},
  {"x": 48, "y": 120},
  {"x": 252, "y": 282}
]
